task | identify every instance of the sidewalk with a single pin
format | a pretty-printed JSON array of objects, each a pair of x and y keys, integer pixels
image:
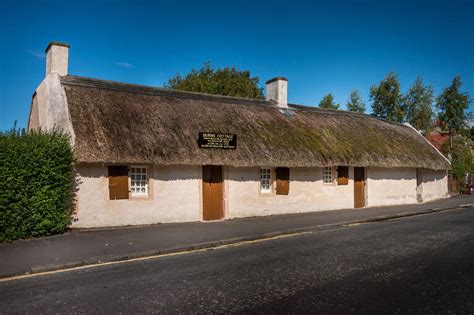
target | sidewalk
[{"x": 83, "y": 247}]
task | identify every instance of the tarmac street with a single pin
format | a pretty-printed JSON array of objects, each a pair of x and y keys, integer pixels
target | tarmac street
[
  {"x": 89, "y": 247},
  {"x": 417, "y": 264}
]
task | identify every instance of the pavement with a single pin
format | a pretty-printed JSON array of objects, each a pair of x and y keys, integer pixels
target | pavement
[
  {"x": 95, "y": 246},
  {"x": 421, "y": 264}
]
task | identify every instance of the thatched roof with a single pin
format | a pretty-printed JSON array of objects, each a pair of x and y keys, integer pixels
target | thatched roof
[{"x": 123, "y": 123}]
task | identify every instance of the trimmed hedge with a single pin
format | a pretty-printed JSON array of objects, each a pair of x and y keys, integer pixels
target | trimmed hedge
[{"x": 37, "y": 184}]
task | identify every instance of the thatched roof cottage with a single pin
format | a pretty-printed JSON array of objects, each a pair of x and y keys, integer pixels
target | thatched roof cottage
[{"x": 151, "y": 155}]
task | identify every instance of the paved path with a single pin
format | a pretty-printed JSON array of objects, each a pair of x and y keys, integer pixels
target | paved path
[
  {"x": 419, "y": 264},
  {"x": 91, "y": 246}
]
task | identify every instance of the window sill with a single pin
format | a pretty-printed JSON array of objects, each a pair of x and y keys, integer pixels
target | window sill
[{"x": 140, "y": 198}]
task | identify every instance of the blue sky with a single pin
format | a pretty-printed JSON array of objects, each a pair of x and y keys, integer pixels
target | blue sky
[{"x": 320, "y": 46}]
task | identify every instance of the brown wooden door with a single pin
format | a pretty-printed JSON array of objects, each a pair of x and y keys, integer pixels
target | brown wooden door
[
  {"x": 359, "y": 187},
  {"x": 212, "y": 192},
  {"x": 118, "y": 182},
  {"x": 282, "y": 181}
]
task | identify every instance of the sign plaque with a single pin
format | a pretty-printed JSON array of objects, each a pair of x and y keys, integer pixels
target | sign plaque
[{"x": 212, "y": 140}]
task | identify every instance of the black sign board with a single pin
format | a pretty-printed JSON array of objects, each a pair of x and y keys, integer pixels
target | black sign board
[{"x": 211, "y": 140}]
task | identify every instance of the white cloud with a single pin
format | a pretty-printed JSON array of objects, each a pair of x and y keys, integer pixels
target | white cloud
[
  {"x": 36, "y": 53},
  {"x": 124, "y": 65}
]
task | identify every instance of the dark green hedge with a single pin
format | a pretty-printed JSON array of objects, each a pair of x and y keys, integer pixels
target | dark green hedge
[{"x": 36, "y": 184}]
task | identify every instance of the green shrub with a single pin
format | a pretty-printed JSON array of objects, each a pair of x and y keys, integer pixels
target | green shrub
[{"x": 37, "y": 184}]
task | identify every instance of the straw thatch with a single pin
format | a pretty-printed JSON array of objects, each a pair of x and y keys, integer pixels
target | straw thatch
[{"x": 123, "y": 123}]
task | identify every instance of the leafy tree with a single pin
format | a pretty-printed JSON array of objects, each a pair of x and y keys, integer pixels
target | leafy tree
[
  {"x": 418, "y": 105},
  {"x": 462, "y": 159},
  {"x": 452, "y": 104},
  {"x": 226, "y": 81},
  {"x": 387, "y": 99},
  {"x": 328, "y": 102},
  {"x": 471, "y": 125},
  {"x": 355, "y": 102}
]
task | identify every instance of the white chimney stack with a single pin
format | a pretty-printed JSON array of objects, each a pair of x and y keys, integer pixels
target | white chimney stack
[
  {"x": 277, "y": 90},
  {"x": 57, "y": 58}
]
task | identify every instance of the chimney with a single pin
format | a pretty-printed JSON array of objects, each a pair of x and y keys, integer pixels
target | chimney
[
  {"x": 57, "y": 58},
  {"x": 277, "y": 90}
]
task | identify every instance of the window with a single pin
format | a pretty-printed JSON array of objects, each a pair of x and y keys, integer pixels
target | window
[
  {"x": 327, "y": 175},
  {"x": 139, "y": 181},
  {"x": 265, "y": 180},
  {"x": 343, "y": 175}
]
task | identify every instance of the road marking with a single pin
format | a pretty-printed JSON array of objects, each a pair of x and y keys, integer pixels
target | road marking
[
  {"x": 401, "y": 216},
  {"x": 356, "y": 224},
  {"x": 422, "y": 214},
  {"x": 100, "y": 264},
  {"x": 242, "y": 243}
]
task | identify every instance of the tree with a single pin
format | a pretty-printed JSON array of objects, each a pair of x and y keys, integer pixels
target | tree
[
  {"x": 452, "y": 104},
  {"x": 461, "y": 156},
  {"x": 328, "y": 102},
  {"x": 470, "y": 118},
  {"x": 226, "y": 81},
  {"x": 418, "y": 105},
  {"x": 387, "y": 99},
  {"x": 355, "y": 102}
]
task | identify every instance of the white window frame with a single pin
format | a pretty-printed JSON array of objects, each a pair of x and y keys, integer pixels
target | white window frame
[
  {"x": 266, "y": 188},
  {"x": 328, "y": 175},
  {"x": 138, "y": 183}
]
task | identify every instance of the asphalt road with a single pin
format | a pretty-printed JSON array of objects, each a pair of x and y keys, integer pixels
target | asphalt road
[{"x": 422, "y": 264}]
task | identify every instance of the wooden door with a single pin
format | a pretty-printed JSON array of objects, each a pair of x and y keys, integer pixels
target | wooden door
[
  {"x": 118, "y": 182},
  {"x": 212, "y": 192},
  {"x": 282, "y": 181},
  {"x": 359, "y": 187}
]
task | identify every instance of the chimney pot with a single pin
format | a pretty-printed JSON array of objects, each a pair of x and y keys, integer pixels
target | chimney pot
[
  {"x": 277, "y": 90},
  {"x": 57, "y": 55}
]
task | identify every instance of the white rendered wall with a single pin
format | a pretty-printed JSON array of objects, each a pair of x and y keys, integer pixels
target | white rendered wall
[
  {"x": 434, "y": 184},
  {"x": 174, "y": 197},
  {"x": 176, "y": 194},
  {"x": 49, "y": 107},
  {"x": 34, "y": 119},
  {"x": 57, "y": 60},
  {"x": 390, "y": 186},
  {"x": 278, "y": 91},
  {"x": 307, "y": 193}
]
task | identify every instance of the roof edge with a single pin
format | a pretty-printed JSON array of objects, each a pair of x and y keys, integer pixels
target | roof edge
[
  {"x": 439, "y": 152},
  {"x": 54, "y": 43},
  {"x": 276, "y": 79},
  {"x": 153, "y": 90}
]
